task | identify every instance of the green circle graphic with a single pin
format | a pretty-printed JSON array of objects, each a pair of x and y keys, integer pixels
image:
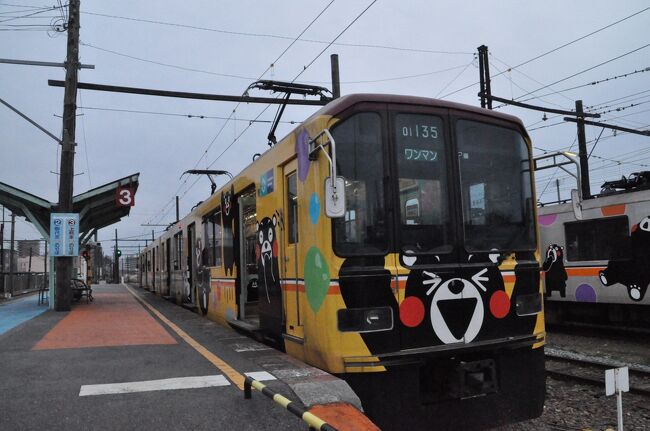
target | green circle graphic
[{"x": 317, "y": 278}]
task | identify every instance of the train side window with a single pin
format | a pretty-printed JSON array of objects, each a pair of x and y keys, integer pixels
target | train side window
[
  {"x": 292, "y": 199},
  {"x": 597, "y": 239},
  {"x": 178, "y": 245},
  {"x": 212, "y": 225},
  {"x": 360, "y": 161}
]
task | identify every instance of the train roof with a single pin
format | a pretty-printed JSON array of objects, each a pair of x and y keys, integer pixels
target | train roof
[{"x": 341, "y": 104}]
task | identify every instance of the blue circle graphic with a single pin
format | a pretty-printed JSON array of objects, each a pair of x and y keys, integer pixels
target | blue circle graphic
[{"x": 314, "y": 208}]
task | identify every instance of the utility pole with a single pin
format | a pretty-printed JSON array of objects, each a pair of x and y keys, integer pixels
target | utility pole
[
  {"x": 63, "y": 293},
  {"x": 2, "y": 252},
  {"x": 582, "y": 152},
  {"x": 29, "y": 270},
  {"x": 45, "y": 275},
  {"x": 116, "y": 262},
  {"x": 336, "y": 80},
  {"x": 11, "y": 254},
  {"x": 177, "y": 211},
  {"x": 484, "y": 71}
]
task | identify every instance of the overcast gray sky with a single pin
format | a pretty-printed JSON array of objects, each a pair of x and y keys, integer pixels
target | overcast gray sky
[{"x": 422, "y": 48}]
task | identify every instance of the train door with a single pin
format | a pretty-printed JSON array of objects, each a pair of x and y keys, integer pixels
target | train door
[
  {"x": 168, "y": 265},
  {"x": 247, "y": 268},
  {"x": 154, "y": 268},
  {"x": 294, "y": 329},
  {"x": 145, "y": 260},
  {"x": 191, "y": 264}
]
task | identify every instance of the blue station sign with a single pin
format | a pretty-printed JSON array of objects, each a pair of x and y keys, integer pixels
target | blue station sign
[{"x": 64, "y": 234}]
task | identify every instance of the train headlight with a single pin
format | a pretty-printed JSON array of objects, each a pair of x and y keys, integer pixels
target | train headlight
[
  {"x": 365, "y": 319},
  {"x": 528, "y": 305}
]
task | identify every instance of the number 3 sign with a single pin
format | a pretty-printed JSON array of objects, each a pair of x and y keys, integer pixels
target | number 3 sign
[{"x": 125, "y": 196}]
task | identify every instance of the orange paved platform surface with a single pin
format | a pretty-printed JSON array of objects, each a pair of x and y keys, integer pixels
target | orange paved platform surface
[
  {"x": 112, "y": 319},
  {"x": 344, "y": 417}
]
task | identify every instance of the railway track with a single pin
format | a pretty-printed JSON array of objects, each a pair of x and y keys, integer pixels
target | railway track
[
  {"x": 567, "y": 365},
  {"x": 616, "y": 329}
]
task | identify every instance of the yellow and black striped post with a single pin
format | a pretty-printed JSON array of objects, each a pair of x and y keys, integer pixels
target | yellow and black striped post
[{"x": 312, "y": 420}]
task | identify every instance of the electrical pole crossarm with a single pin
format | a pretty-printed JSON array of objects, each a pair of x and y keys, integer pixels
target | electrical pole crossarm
[
  {"x": 611, "y": 126},
  {"x": 538, "y": 108}
]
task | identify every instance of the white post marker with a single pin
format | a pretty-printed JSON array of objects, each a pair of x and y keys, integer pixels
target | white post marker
[{"x": 617, "y": 380}]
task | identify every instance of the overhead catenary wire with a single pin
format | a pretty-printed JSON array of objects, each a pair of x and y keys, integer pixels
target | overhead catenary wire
[
  {"x": 544, "y": 54},
  {"x": 585, "y": 70},
  {"x": 175, "y": 114},
  {"x": 521, "y": 88},
  {"x": 250, "y": 78},
  {"x": 30, "y": 14},
  {"x": 281, "y": 37},
  {"x": 622, "y": 99},
  {"x": 454, "y": 78},
  {"x": 205, "y": 152},
  {"x": 160, "y": 63},
  {"x": 294, "y": 79},
  {"x": 611, "y": 78},
  {"x": 83, "y": 128}
]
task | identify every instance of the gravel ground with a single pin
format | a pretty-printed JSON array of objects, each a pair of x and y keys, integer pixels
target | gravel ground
[
  {"x": 632, "y": 349},
  {"x": 576, "y": 406},
  {"x": 572, "y": 406}
]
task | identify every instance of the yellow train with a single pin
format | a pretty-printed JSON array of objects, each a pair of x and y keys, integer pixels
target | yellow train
[{"x": 390, "y": 240}]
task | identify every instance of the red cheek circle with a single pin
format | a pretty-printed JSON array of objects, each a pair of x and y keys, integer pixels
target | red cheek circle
[
  {"x": 411, "y": 311},
  {"x": 499, "y": 304},
  {"x": 275, "y": 248}
]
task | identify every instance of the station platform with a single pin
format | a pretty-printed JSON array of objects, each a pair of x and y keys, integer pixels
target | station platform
[{"x": 132, "y": 360}]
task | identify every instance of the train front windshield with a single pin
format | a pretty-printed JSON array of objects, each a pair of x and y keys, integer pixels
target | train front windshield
[{"x": 494, "y": 191}]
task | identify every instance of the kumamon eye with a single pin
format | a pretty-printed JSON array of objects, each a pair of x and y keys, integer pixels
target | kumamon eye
[
  {"x": 271, "y": 235},
  {"x": 261, "y": 237}
]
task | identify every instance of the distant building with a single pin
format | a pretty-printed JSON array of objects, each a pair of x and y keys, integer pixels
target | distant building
[
  {"x": 25, "y": 245},
  {"x": 37, "y": 264}
]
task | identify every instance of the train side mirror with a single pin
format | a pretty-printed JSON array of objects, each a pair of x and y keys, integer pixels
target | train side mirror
[
  {"x": 335, "y": 197},
  {"x": 334, "y": 185},
  {"x": 576, "y": 203}
]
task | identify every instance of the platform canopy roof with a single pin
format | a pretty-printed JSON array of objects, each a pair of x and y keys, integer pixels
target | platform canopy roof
[{"x": 97, "y": 208}]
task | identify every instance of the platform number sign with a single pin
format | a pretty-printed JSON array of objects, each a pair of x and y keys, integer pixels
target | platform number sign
[
  {"x": 64, "y": 234},
  {"x": 125, "y": 196}
]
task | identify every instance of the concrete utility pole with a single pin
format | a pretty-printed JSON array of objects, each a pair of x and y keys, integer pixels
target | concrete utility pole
[
  {"x": 63, "y": 293},
  {"x": 116, "y": 262},
  {"x": 2, "y": 252},
  {"x": 336, "y": 80},
  {"x": 11, "y": 254},
  {"x": 582, "y": 152}
]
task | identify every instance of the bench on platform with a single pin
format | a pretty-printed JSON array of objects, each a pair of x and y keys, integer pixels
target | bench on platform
[{"x": 81, "y": 289}]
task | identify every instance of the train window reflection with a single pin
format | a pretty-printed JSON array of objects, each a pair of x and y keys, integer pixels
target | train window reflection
[
  {"x": 360, "y": 161},
  {"x": 496, "y": 188},
  {"x": 212, "y": 224},
  {"x": 597, "y": 239},
  {"x": 425, "y": 225},
  {"x": 292, "y": 205}
]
